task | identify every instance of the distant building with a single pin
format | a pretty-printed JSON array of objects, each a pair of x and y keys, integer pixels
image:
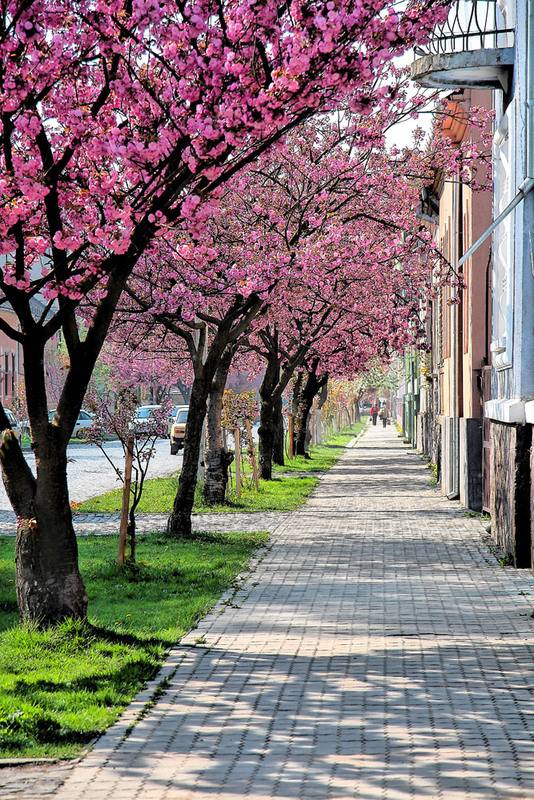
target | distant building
[{"x": 10, "y": 360}]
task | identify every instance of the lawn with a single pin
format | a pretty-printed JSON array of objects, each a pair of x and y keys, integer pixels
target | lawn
[
  {"x": 292, "y": 484},
  {"x": 61, "y": 688}
]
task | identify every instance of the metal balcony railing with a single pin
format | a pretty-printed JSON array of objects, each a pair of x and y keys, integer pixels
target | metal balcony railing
[{"x": 471, "y": 25}]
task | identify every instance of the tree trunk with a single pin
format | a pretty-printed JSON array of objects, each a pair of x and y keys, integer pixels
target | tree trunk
[
  {"x": 275, "y": 381},
  {"x": 278, "y": 431},
  {"x": 271, "y": 430},
  {"x": 268, "y": 418},
  {"x": 216, "y": 458},
  {"x": 180, "y": 520},
  {"x": 185, "y": 391},
  {"x": 295, "y": 411},
  {"x": 49, "y": 585},
  {"x": 308, "y": 389},
  {"x": 237, "y": 319},
  {"x": 48, "y": 582}
]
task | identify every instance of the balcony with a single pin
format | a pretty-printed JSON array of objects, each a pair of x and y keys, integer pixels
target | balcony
[{"x": 473, "y": 48}]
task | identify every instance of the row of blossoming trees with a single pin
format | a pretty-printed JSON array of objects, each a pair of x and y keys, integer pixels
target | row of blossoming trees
[{"x": 206, "y": 173}]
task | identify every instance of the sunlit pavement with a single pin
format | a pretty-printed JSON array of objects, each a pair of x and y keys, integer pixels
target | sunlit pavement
[{"x": 377, "y": 650}]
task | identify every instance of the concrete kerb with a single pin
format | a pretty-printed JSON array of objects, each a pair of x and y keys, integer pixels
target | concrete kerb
[
  {"x": 22, "y": 762},
  {"x": 353, "y": 442}
]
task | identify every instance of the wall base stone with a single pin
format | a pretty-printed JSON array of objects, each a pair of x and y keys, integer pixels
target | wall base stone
[
  {"x": 510, "y": 490},
  {"x": 471, "y": 463}
]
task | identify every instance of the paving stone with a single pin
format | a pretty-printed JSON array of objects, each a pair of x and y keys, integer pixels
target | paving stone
[{"x": 378, "y": 651}]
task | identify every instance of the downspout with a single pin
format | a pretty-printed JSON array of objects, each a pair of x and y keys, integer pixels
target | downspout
[
  {"x": 528, "y": 184},
  {"x": 530, "y": 94},
  {"x": 460, "y": 307}
]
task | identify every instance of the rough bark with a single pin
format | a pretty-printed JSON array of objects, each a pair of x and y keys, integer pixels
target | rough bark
[
  {"x": 271, "y": 430},
  {"x": 216, "y": 458},
  {"x": 273, "y": 385},
  {"x": 180, "y": 520},
  {"x": 48, "y": 582},
  {"x": 309, "y": 387},
  {"x": 282, "y": 361},
  {"x": 295, "y": 399},
  {"x": 268, "y": 421},
  {"x": 278, "y": 431}
]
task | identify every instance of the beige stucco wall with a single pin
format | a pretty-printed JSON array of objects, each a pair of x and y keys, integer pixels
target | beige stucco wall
[{"x": 462, "y": 356}]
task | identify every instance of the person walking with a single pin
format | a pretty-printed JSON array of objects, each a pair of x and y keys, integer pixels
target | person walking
[
  {"x": 374, "y": 413},
  {"x": 384, "y": 415}
]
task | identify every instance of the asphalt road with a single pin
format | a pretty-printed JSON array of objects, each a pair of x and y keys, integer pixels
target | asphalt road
[{"x": 90, "y": 473}]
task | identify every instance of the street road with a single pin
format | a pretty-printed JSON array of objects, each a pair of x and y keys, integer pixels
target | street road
[{"x": 90, "y": 474}]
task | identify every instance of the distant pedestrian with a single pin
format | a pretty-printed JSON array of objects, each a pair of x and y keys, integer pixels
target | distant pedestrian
[
  {"x": 374, "y": 414},
  {"x": 384, "y": 415}
]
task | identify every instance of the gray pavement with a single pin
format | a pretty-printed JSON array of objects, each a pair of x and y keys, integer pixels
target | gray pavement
[
  {"x": 106, "y": 524},
  {"x": 377, "y": 650}
]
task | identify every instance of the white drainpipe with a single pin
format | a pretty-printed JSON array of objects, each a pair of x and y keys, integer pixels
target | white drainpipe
[{"x": 530, "y": 90}]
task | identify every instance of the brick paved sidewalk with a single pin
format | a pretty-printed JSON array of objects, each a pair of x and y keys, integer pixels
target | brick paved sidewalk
[{"x": 378, "y": 650}]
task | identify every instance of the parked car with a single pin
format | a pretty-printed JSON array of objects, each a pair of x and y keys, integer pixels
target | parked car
[
  {"x": 172, "y": 413},
  {"x": 146, "y": 418},
  {"x": 178, "y": 429},
  {"x": 84, "y": 422},
  {"x": 14, "y": 424}
]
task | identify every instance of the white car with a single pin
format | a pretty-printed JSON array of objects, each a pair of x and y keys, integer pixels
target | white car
[
  {"x": 13, "y": 422},
  {"x": 83, "y": 423},
  {"x": 143, "y": 421}
]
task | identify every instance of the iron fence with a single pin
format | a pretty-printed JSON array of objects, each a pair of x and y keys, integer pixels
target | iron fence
[{"x": 472, "y": 25}]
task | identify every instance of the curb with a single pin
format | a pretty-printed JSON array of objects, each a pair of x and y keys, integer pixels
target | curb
[{"x": 353, "y": 442}]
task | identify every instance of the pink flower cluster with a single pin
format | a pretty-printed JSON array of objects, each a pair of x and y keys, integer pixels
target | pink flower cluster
[{"x": 119, "y": 118}]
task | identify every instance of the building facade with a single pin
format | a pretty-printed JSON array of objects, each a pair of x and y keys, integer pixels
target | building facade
[
  {"x": 489, "y": 44},
  {"x": 10, "y": 363}
]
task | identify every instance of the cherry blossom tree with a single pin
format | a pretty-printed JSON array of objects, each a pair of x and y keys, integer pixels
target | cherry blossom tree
[
  {"x": 116, "y": 417},
  {"x": 322, "y": 339},
  {"x": 119, "y": 121},
  {"x": 140, "y": 363},
  {"x": 309, "y": 382}
]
